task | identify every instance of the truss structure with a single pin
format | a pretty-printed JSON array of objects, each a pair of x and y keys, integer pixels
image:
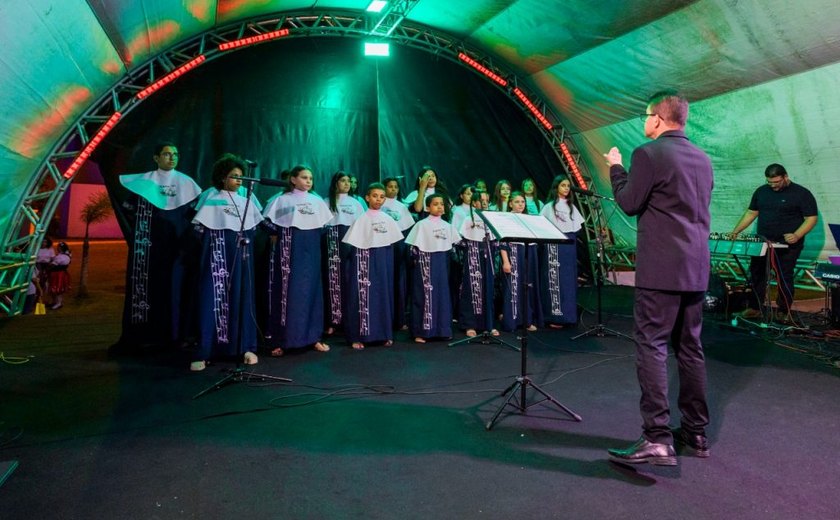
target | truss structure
[{"x": 48, "y": 183}]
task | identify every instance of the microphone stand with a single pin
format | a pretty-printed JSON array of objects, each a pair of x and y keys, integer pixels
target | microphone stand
[
  {"x": 486, "y": 338},
  {"x": 239, "y": 374},
  {"x": 599, "y": 329}
]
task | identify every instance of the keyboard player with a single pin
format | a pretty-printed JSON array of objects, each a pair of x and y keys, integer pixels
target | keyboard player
[{"x": 786, "y": 212}]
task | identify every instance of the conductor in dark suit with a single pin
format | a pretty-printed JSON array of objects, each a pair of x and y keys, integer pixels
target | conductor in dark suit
[{"x": 669, "y": 189}]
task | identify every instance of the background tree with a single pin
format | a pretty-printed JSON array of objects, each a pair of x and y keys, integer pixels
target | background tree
[{"x": 97, "y": 209}]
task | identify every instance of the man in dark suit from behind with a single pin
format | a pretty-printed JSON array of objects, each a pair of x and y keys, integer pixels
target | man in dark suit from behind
[{"x": 669, "y": 189}]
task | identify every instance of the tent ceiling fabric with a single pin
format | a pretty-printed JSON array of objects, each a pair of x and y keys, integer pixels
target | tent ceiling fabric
[{"x": 594, "y": 61}]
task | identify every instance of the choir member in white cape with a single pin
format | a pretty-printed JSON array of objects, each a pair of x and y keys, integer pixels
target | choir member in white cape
[
  {"x": 345, "y": 210},
  {"x": 520, "y": 265},
  {"x": 460, "y": 211},
  {"x": 226, "y": 306},
  {"x": 296, "y": 220},
  {"x": 428, "y": 183},
  {"x": 399, "y": 212},
  {"x": 476, "y": 292},
  {"x": 158, "y": 211},
  {"x": 558, "y": 269},
  {"x": 431, "y": 241},
  {"x": 369, "y": 277}
]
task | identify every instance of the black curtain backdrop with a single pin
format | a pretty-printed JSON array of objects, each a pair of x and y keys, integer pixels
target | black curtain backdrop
[{"x": 320, "y": 102}]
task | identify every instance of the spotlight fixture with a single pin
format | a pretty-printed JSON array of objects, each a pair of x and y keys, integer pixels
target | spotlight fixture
[
  {"x": 377, "y": 49},
  {"x": 376, "y": 6}
]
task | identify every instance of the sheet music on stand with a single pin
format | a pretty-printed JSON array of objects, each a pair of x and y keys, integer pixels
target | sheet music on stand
[{"x": 519, "y": 227}]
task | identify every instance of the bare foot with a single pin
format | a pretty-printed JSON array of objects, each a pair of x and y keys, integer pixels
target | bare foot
[
  {"x": 389, "y": 343},
  {"x": 322, "y": 347},
  {"x": 555, "y": 326},
  {"x": 358, "y": 345},
  {"x": 532, "y": 328},
  {"x": 278, "y": 352},
  {"x": 494, "y": 332},
  {"x": 471, "y": 333},
  {"x": 419, "y": 340}
]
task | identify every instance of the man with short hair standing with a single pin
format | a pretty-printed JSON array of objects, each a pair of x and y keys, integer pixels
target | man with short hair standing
[
  {"x": 669, "y": 188},
  {"x": 786, "y": 212},
  {"x": 158, "y": 211}
]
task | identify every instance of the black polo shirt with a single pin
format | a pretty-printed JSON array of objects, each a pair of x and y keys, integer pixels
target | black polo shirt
[{"x": 782, "y": 211}]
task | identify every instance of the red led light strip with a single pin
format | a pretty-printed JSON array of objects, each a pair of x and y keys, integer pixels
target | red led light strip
[
  {"x": 172, "y": 76},
  {"x": 92, "y": 144},
  {"x": 242, "y": 42},
  {"x": 482, "y": 69},
  {"x": 573, "y": 166},
  {"x": 534, "y": 110}
]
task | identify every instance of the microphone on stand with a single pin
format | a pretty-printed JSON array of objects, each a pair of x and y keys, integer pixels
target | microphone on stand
[
  {"x": 589, "y": 193},
  {"x": 249, "y": 162},
  {"x": 266, "y": 181}
]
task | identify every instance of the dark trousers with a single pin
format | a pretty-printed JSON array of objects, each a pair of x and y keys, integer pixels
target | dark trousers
[
  {"x": 783, "y": 263},
  {"x": 677, "y": 316}
]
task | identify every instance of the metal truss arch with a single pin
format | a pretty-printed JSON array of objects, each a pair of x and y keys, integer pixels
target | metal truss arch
[{"x": 28, "y": 223}]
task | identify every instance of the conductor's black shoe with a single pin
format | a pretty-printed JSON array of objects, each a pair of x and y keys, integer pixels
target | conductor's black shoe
[
  {"x": 644, "y": 451},
  {"x": 695, "y": 443}
]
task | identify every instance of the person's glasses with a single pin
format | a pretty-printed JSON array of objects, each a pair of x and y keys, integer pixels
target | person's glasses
[
  {"x": 169, "y": 155},
  {"x": 642, "y": 117}
]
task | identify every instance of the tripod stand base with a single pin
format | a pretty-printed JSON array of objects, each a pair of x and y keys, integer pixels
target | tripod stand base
[
  {"x": 521, "y": 384},
  {"x": 601, "y": 331},
  {"x": 239, "y": 375},
  {"x": 485, "y": 338}
]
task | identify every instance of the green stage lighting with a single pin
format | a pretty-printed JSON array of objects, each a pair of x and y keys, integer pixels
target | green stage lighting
[{"x": 377, "y": 49}]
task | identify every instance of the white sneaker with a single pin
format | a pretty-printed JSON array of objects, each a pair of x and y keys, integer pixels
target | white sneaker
[
  {"x": 250, "y": 358},
  {"x": 198, "y": 366}
]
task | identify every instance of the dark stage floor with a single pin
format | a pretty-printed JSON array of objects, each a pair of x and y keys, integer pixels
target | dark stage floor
[{"x": 400, "y": 432}]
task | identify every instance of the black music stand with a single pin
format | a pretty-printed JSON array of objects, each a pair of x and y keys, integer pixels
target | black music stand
[
  {"x": 516, "y": 227},
  {"x": 239, "y": 374},
  {"x": 599, "y": 329}
]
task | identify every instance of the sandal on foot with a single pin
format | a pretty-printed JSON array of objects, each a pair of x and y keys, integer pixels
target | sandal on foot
[
  {"x": 358, "y": 346},
  {"x": 278, "y": 352},
  {"x": 250, "y": 358},
  {"x": 321, "y": 347}
]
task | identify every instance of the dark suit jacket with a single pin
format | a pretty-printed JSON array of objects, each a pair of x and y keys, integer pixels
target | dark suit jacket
[{"x": 669, "y": 188}]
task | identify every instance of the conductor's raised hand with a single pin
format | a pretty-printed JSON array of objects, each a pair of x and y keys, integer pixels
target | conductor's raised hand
[{"x": 613, "y": 157}]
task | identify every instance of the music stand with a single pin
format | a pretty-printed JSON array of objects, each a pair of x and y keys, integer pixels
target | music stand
[
  {"x": 485, "y": 338},
  {"x": 239, "y": 374},
  {"x": 599, "y": 329},
  {"x": 517, "y": 227}
]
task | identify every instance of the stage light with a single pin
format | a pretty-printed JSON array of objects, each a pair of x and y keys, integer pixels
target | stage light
[
  {"x": 482, "y": 69},
  {"x": 573, "y": 166},
  {"x": 534, "y": 110},
  {"x": 376, "y": 6},
  {"x": 377, "y": 49},
  {"x": 92, "y": 144},
  {"x": 172, "y": 76},
  {"x": 250, "y": 40}
]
